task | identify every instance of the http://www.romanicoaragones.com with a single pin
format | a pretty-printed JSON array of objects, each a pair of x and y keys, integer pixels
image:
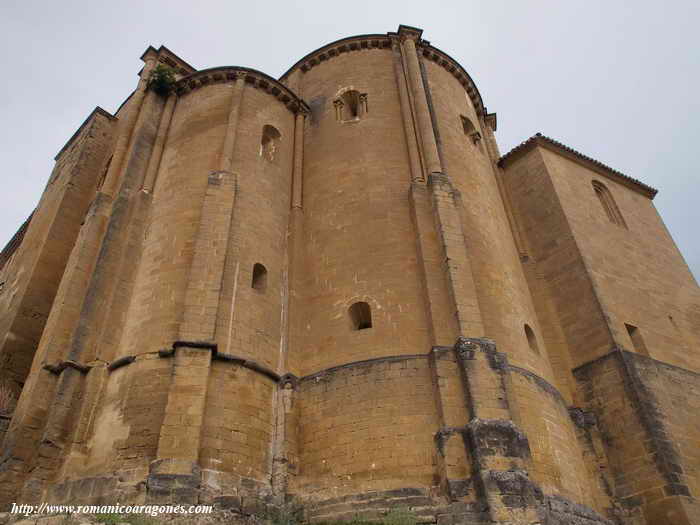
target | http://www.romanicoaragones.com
[{"x": 151, "y": 510}]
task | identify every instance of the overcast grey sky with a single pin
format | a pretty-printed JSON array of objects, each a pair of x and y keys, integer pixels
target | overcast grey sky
[{"x": 617, "y": 81}]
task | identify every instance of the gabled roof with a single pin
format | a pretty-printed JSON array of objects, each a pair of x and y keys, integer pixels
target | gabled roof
[
  {"x": 97, "y": 111},
  {"x": 541, "y": 140},
  {"x": 13, "y": 244}
]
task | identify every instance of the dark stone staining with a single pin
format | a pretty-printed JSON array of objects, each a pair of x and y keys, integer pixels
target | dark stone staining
[
  {"x": 220, "y": 356},
  {"x": 459, "y": 488},
  {"x": 62, "y": 365},
  {"x": 227, "y": 502},
  {"x": 631, "y": 502},
  {"x": 582, "y": 418},
  {"x": 373, "y": 505},
  {"x": 491, "y": 437},
  {"x": 518, "y": 491},
  {"x": 122, "y": 361},
  {"x": 438, "y": 350},
  {"x": 322, "y": 374},
  {"x": 515, "y": 488},
  {"x": 166, "y": 352},
  {"x": 634, "y": 368},
  {"x": 466, "y": 347},
  {"x": 195, "y": 344},
  {"x": 443, "y": 435},
  {"x": 556, "y": 510},
  {"x": 289, "y": 379},
  {"x": 173, "y": 487},
  {"x": 542, "y": 383},
  {"x": 247, "y": 363},
  {"x": 460, "y": 513},
  {"x": 317, "y": 105},
  {"x": 666, "y": 455},
  {"x": 93, "y": 491}
]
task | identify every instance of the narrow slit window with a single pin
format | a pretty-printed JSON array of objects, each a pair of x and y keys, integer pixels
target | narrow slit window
[
  {"x": 360, "y": 316},
  {"x": 635, "y": 335},
  {"x": 531, "y": 339},
  {"x": 269, "y": 143},
  {"x": 608, "y": 204},
  {"x": 259, "y": 278}
]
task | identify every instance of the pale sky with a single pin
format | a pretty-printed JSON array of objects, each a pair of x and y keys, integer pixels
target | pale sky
[{"x": 615, "y": 80}]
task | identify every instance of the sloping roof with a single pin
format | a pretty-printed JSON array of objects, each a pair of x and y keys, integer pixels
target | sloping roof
[
  {"x": 97, "y": 111},
  {"x": 541, "y": 140},
  {"x": 14, "y": 243}
]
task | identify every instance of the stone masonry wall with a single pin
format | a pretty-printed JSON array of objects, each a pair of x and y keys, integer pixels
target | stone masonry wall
[
  {"x": 339, "y": 294},
  {"x": 640, "y": 276},
  {"x": 639, "y": 404},
  {"x": 31, "y": 279},
  {"x": 366, "y": 427}
]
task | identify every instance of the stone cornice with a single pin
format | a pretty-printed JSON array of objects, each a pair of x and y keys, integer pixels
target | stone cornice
[
  {"x": 620, "y": 352},
  {"x": 317, "y": 376},
  {"x": 452, "y": 66},
  {"x": 344, "y": 45},
  {"x": 167, "y": 57},
  {"x": 374, "y": 41},
  {"x": 414, "y": 33},
  {"x": 252, "y": 77},
  {"x": 553, "y": 145}
]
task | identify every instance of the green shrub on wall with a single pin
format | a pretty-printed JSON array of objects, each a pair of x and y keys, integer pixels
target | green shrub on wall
[{"x": 162, "y": 80}]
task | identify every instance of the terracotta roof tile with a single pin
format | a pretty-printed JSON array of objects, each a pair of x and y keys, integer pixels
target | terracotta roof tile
[{"x": 543, "y": 140}]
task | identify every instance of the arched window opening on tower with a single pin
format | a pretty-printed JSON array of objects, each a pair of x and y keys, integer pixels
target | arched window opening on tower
[
  {"x": 608, "y": 203},
  {"x": 269, "y": 143},
  {"x": 470, "y": 130},
  {"x": 350, "y": 106},
  {"x": 360, "y": 316},
  {"x": 637, "y": 340},
  {"x": 259, "y": 278},
  {"x": 531, "y": 339}
]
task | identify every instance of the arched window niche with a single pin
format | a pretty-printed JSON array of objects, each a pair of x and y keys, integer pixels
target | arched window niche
[
  {"x": 470, "y": 130},
  {"x": 350, "y": 105},
  {"x": 360, "y": 316},
  {"x": 608, "y": 203},
  {"x": 259, "y": 278},
  {"x": 269, "y": 142}
]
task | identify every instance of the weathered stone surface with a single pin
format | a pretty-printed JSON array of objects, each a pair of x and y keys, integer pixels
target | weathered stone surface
[{"x": 332, "y": 291}]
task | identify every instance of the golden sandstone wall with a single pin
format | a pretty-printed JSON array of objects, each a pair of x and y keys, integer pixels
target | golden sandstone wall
[{"x": 333, "y": 288}]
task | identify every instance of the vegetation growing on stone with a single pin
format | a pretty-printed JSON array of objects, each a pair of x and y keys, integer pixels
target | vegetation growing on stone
[{"x": 162, "y": 80}]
